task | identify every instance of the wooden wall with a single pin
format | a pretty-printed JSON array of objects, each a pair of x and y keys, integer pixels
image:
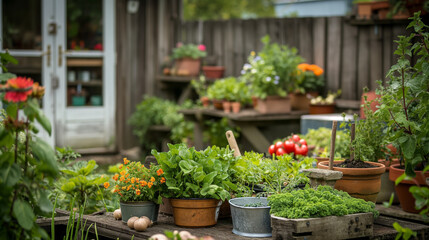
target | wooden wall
[
  {"x": 142, "y": 41},
  {"x": 353, "y": 54}
]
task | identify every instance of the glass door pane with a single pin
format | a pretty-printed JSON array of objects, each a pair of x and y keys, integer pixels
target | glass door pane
[{"x": 22, "y": 28}]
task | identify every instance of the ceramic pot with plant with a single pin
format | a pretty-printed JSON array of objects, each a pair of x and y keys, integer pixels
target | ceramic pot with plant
[
  {"x": 404, "y": 105},
  {"x": 320, "y": 105},
  {"x": 139, "y": 189},
  {"x": 216, "y": 93},
  {"x": 309, "y": 80},
  {"x": 188, "y": 58},
  {"x": 361, "y": 172},
  {"x": 213, "y": 72},
  {"x": 271, "y": 75},
  {"x": 198, "y": 182}
]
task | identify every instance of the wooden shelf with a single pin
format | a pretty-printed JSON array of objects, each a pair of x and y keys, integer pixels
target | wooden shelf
[
  {"x": 84, "y": 62},
  {"x": 93, "y": 83},
  {"x": 179, "y": 79}
]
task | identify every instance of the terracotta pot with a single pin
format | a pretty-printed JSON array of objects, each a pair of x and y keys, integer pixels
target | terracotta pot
[
  {"x": 226, "y": 106},
  {"x": 236, "y": 107},
  {"x": 300, "y": 101},
  {"x": 364, "y": 10},
  {"x": 213, "y": 71},
  {"x": 321, "y": 159},
  {"x": 274, "y": 104},
  {"x": 217, "y": 104},
  {"x": 370, "y": 96},
  {"x": 195, "y": 212},
  {"x": 406, "y": 199},
  {"x": 322, "y": 108},
  {"x": 387, "y": 186},
  {"x": 188, "y": 66},
  {"x": 254, "y": 101},
  {"x": 361, "y": 183},
  {"x": 205, "y": 101}
]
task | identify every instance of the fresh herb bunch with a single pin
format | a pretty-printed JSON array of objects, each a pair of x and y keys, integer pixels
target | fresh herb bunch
[
  {"x": 321, "y": 202},
  {"x": 405, "y": 99},
  {"x": 135, "y": 182},
  {"x": 273, "y": 71},
  {"x": 197, "y": 174},
  {"x": 189, "y": 50}
]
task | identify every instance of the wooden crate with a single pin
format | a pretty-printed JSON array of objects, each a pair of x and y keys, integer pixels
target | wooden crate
[{"x": 332, "y": 227}]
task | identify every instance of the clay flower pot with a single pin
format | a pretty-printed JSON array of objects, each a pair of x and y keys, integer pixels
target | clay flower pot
[
  {"x": 205, "y": 101},
  {"x": 188, "y": 66},
  {"x": 370, "y": 96},
  {"x": 213, "y": 71},
  {"x": 195, "y": 212},
  {"x": 406, "y": 199},
  {"x": 236, "y": 106},
  {"x": 322, "y": 108},
  {"x": 226, "y": 106},
  {"x": 364, "y": 183},
  {"x": 217, "y": 104},
  {"x": 274, "y": 104}
]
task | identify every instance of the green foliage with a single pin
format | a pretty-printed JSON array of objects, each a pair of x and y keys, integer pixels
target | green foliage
[
  {"x": 405, "y": 99},
  {"x": 321, "y": 139},
  {"x": 230, "y": 89},
  {"x": 155, "y": 111},
  {"x": 224, "y": 9},
  {"x": 321, "y": 202},
  {"x": 273, "y": 71},
  {"x": 66, "y": 155},
  {"x": 403, "y": 232},
  {"x": 214, "y": 132},
  {"x": 200, "y": 85},
  {"x": 273, "y": 175},
  {"x": 196, "y": 174},
  {"x": 188, "y": 50}
]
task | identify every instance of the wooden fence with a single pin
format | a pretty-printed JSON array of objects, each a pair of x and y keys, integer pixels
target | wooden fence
[{"x": 354, "y": 54}]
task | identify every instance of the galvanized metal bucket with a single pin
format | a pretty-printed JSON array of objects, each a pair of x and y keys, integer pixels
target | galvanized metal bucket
[{"x": 249, "y": 219}]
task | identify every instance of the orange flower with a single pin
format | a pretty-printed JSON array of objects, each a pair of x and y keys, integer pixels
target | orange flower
[
  {"x": 159, "y": 171},
  {"x": 138, "y": 192},
  {"x": 162, "y": 180},
  {"x": 106, "y": 185},
  {"x": 120, "y": 166},
  {"x": 127, "y": 175},
  {"x": 17, "y": 85},
  {"x": 128, "y": 188},
  {"x": 116, "y": 177},
  {"x": 126, "y": 161},
  {"x": 133, "y": 180},
  {"x": 137, "y": 180},
  {"x": 149, "y": 184},
  {"x": 123, "y": 172},
  {"x": 303, "y": 67},
  {"x": 316, "y": 69},
  {"x": 123, "y": 188},
  {"x": 143, "y": 183},
  {"x": 152, "y": 179},
  {"x": 122, "y": 178}
]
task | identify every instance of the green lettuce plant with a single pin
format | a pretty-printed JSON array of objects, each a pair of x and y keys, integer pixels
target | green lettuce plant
[{"x": 196, "y": 174}]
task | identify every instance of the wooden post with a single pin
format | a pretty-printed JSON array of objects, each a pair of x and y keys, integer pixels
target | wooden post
[
  {"x": 232, "y": 143},
  {"x": 352, "y": 136},
  {"x": 333, "y": 137}
]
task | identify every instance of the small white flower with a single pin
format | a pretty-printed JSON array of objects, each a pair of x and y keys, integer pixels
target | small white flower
[
  {"x": 277, "y": 78},
  {"x": 253, "y": 71},
  {"x": 268, "y": 79},
  {"x": 243, "y": 72},
  {"x": 247, "y": 66}
]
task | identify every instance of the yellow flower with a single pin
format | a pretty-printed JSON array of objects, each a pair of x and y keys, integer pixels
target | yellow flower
[
  {"x": 120, "y": 166},
  {"x": 143, "y": 183},
  {"x": 123, "y": 172},
  {"x": 126, "y": 161},
  {"x": 252, "y": 53},
  {"x": 133, "y": 180},
  {"x": 106, "y": 185},
  {"x": 152, "y": 179},
  {"x": 122, "y": 179},
  {"x": 149, "y": 184}
]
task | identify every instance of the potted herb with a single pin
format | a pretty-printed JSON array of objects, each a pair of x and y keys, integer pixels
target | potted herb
[
  {"x": 271, "y": 74},
  {"x": 139, "y": 189},
  {"x": 404, "y": 105},
  {"x": 200, "y": 87},
  {"x": 188, "y": 58},
  {"x": 321, "y": 105},
  {"x": 361, "y": 172},
  {"x": 216, "y": 93},
  {"x": 197, "y": 181}
]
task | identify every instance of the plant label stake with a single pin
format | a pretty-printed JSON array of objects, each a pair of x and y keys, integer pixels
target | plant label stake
[
  {"x": 333, "y": 137},
  {"x": 352, "y": 136},
  {"x": 232, "y": 143}
]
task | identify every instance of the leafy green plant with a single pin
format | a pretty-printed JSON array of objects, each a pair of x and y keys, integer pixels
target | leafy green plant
[
  {"x": 309, "y": 78},
  {"x": 200, "y": 85},
  {"x": 321, "y": 139},
  {"x": 321, "y": 202},
  {"x": 214, "y": 132},
  {"x": 189, "y": 50},
  {"x": 155, "y": 111},
  {"x": 27, "y": 163},
  {"x": 196, "y": 174},
  {"x": 405, "y": 99},
  {"x": 273, "y": 71}
]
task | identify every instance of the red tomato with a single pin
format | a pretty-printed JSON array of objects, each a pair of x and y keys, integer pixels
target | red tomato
[
  {"x": 289, "y": 147},
  {"x": 298, "y": 150},
  {"x": 296, "y": 138},
  {"x": 280, "y": 152},
  {"x": 279, "y": 145},
  {"x": 304, "y": 150},
  {"x": 272, "y": 149},
  {"x": 303, "y": 142}
]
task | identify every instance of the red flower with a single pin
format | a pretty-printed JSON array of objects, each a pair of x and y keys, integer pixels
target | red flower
[
  {"x": 18, "y": 83},
  {"x": 201, "y": 47}
]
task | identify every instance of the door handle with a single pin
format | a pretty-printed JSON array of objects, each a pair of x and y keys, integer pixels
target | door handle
[
  {"x": 60, "y": 55},
  {"x": 48, "y": 54}
]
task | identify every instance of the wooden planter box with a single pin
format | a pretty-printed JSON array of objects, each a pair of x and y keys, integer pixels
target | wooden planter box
[{"x": 332, "y": 227}]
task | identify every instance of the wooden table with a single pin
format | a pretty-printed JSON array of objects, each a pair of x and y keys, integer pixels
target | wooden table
[
  {"x": 249, "y": 121},
  {"x": 110, "y": 228}
]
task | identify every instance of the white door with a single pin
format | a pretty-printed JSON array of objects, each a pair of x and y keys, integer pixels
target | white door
[{"x": 67, "y": 46}]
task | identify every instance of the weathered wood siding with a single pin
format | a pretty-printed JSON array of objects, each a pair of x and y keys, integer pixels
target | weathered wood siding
[
  {"x": 143, "y": 40},
  {"x": 353, "y": 54}
]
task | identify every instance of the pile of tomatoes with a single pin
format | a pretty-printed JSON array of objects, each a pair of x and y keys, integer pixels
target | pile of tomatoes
[{"x": 294, "y": 145}]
